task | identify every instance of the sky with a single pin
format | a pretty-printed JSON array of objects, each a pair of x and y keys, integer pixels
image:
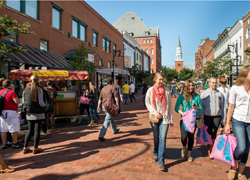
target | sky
[{"x": 191, "y": 20}]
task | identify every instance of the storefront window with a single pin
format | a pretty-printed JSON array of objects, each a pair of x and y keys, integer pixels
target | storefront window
[{"x": 128, "y": 58}]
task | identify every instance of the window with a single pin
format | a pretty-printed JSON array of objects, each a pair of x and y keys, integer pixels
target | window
[
  {"x": 152, "y": 51},
  {"x": 106, "y": 44},
  {"x": 95, "y": 33},
  {"x": 114, "y": 48},
  {"x": 152, "y": 61},
  {"x": 109, "y": 64},
  {"x": 240, "y": 41},
  {"x": 12, "y": 37},
  {"x": 44, "y": 45},
  {"x": 31, "y": 8},
  {"x": 78, "y": 29},
  {"x": 143, "y": 41},
  {"x": 147, "y": 51},
  {"x": 147, "y": 41},
  {"x": 150, "y": 40}
]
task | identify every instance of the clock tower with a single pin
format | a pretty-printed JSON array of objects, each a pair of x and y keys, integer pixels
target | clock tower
[{"x": 178, "y": 57}]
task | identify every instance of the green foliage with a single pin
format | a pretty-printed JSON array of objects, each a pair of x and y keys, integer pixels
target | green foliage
[
  {"x": 80, "y": 61},
  {"x": 8, "y": 26},
  {"x": 218, "y": 68},
  {"x": 149, "y": 80},
  {"x": 185, "y": 74},
  {"x": 169, "y": 73},
  {"x": 139, "y": 75}
]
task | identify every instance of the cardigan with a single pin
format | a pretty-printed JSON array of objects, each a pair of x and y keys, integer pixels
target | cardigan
[{"x": 168, "y": 113}]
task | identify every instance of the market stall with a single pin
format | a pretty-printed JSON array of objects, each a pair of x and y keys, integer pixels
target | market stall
[{"x": 67, "y": 101}]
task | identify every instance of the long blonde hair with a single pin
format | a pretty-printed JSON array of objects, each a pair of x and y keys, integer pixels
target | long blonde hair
[
  {"x": 242, "y": 78},
  {"x": 186, "y": 91},
  {"x": 91, "y": 86},
  {"x": 34, "y": 88}
]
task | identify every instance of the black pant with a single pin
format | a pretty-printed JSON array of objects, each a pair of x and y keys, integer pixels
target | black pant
[
  {"x": 132, "y": 96},
  {"x": 33, "y": 128},
  {"x": 44, "y": 124},
  {"x": 186, "y": 135},
  {"x": 213, "y": 123}
]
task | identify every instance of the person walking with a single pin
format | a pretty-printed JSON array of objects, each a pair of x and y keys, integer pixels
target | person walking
[
  {"x": 132, "y": 92},
  {"x": 239, "y": 111},
  {"x": 188, "y": 100},
  {"x": 175, "y": 88},
  {"x": 144, "y": 92},
  {"x": 9, "y": 121},
  {"x": 52, "y": 94},
  {"x": 108, "y": 92},
  {"x": 213, "y": 109},
  {"x": 84, "y": 106},
  {"x": 93, "y": 96},
  {"x": 120, "y": 94},
  {"x": 225, "y": 91},
  {"x": 159, "y": 104},
  {"x": 126, "y": 92},
  {"x": 33, "y": 102}
]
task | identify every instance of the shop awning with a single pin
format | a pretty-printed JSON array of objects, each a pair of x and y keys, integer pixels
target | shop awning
[
  {"x": 37, "y": 57},
  {"x": 45, "y": 75}
]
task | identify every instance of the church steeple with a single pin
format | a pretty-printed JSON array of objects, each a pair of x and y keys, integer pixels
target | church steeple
[
  {"x": 179, "y": 42},
  {"x": 178, "y": 56}
]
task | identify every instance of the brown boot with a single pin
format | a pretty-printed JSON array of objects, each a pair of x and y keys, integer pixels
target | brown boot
[{"x": 3, "y": 167}]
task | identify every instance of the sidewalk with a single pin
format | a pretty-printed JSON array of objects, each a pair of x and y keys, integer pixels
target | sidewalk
[{"x": 76, "y": 153}]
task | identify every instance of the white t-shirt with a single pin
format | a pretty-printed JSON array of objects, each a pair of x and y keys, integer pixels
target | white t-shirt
[
  {"x": 225, "y": 94},
  {"x": 132, "y": 88}
]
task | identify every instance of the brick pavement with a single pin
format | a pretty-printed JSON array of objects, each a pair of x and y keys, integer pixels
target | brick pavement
[{"x": 75, "y": 153}]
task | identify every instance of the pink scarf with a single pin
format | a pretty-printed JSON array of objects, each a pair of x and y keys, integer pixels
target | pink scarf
[{"x": 160, "y": 95}]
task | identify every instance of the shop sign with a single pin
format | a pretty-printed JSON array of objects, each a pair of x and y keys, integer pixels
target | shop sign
[
  {"x": 51, "y": 73},
  {"x": 91, "y": 58}
]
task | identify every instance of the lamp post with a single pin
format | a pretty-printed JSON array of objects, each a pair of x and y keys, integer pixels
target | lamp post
[
  {"x": 113, "y": 62},
  {"x": 236, "y": 58}
]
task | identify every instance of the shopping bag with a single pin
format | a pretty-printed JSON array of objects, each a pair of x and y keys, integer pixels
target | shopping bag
[
  {"x": 202, "y": 136},
  {"x": 189, "y": 120},
  {"x": 224, "y": 147},
  {"x": 84, "y": 100}
]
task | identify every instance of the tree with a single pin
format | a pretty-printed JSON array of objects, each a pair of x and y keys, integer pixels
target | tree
[
  {"x": 80, "y": 61},
  {"x": 217, "y": 68},
  {"x": 139, "y": 74},
  {"x": 169, "y": 73},
  {"x": 9, "y": 26},
  {"x": 185, "y": 74}
]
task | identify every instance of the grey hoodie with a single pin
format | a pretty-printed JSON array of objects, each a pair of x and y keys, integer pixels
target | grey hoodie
[{"x": 213, "y": 104}]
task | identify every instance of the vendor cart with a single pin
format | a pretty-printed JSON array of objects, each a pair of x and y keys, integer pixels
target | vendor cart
[{"x": 67, "y": 101}]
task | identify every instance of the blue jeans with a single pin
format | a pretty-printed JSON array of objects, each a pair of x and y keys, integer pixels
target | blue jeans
[
  {"x": 242, "y": 133},
  {"x": 160, "y": 134},
  {"x": 92, "y": 111},
  {"x": 144, "y": 97},
  {"x": 125, "y": 97},
  {"x": 108, "y": 120}
]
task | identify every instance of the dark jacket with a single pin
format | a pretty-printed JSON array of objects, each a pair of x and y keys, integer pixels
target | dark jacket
[
  {"x": 30, "y": 106},
  {"x": 93, "y": 97}
]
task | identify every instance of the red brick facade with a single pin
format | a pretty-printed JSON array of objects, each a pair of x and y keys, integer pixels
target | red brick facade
[
  {"x": 178, "y": 65},
  {"x": 59, "y": 42},
  {"x": 153, "y": 43}
]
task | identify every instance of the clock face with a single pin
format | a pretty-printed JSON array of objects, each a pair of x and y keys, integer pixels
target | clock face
[{"x": 179, "y": 64}]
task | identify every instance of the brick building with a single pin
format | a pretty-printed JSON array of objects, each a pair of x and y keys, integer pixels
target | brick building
[
  {"x": 60, "y": 26},
  {"x": 147, "y": 38},
  {"x": 203, "y": 51}
]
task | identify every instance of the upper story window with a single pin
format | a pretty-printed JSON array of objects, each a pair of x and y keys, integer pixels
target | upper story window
[
  {"x": 106, "y": 44},
  {"x": 147, "y": 40},
  {"x": 44, "y": 45},
  {"x": 78, "y": 29},
  {"x": 56, "y": 16},
  {"x": 31, "y": 8},
  {"x": 95, "y": 35},
  {"x": 152, "y": 61},
  {"x": 150, "y": 40},
  {"x": 152, "y": 51},
  {"x": 240, "y": 41},
  {"x": 143, "y": 41},
  {"x": 109, "y": 64},
  {"x": 147, "y": 51},
  {"x": 13, "y": 37},
  {"x": 114, "y": 48}
]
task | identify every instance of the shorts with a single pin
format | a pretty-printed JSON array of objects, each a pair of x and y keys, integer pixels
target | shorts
[
  {"x": 83, "y": 107},
  {"x": 10, "y": 121}
]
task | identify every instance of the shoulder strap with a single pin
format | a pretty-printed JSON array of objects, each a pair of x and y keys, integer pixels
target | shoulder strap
[{"x": 4, "y": 94}]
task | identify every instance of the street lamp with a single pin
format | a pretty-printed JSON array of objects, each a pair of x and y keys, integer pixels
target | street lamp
[
  {"x": 236, "y": 58},
  {"x": 113, "y": 62}
]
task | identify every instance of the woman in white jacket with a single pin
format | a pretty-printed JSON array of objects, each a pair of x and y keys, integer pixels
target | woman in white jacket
[{"x": 159, "y": 103}]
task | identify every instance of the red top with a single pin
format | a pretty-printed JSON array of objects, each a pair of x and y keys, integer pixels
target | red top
[{"x": 9, "y": 103}]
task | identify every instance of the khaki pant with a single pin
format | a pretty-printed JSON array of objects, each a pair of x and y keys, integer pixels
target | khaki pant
[{"x": 50, "y": 118}]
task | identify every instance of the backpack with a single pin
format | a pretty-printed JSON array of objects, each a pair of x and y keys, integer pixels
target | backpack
[
  {"x": 49, "y": 102},
  {"x": 2, "y": 100}
]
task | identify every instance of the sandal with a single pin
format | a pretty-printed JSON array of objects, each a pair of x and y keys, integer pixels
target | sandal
[
  {"x": 182, "y": 153},
  {"x": 26, "y": 150},
  {"x": 242, "y": 177},
  {"x": 190, "y": 159},
  {"x": 37, "y": 150},
  {"x": 231, "y": 174}
]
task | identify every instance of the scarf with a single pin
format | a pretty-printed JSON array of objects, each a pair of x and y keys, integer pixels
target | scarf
[{"x": 160, "y": 95}]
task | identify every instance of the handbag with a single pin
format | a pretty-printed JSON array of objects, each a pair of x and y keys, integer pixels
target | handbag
[
  {"x": 202, "y": 136},
  {"x": 111, "y": 108},
  {"x": 153, "y": 119},
  {"x": 84, "y": 100}
]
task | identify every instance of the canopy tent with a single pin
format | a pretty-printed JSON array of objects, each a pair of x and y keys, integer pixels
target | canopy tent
[{"x": 45, "y": 75}]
